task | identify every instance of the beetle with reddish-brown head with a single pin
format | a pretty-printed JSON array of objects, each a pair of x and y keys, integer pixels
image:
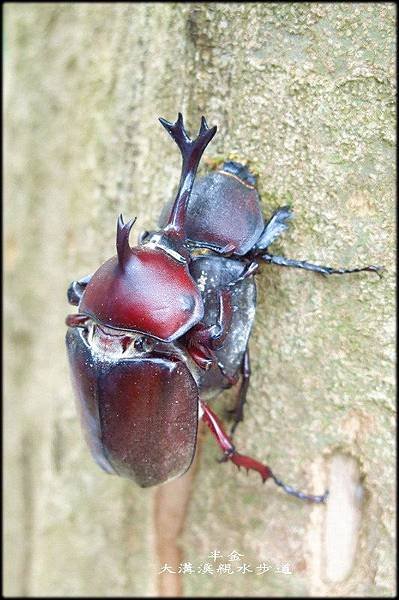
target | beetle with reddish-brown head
[{"x": 164, "y": 326}]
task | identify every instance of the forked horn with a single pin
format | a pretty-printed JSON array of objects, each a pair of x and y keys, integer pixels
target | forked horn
[
  {"x": 191, "y": 151},
  {"x": 122, "y": 240}
]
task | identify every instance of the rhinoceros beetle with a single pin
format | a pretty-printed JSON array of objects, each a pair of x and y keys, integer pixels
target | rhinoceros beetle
[{"x": 163, "y": 327}]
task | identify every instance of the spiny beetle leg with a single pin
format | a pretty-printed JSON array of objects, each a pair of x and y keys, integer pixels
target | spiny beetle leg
[
  {"x": 249, "y": 270},
  {"x": 203, "y": 340},
  {"x": 224, "y": 319},
  {"x": 276, "y": 225},
  {"x": 240, "y": 460},
  {"x": 303, "y": 264},
  {"x": 238, "y": 410},
  {"x": 298, "y": 494}
]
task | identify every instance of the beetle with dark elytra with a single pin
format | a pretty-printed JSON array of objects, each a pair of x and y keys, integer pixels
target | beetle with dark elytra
[{"x": 163, "y": 327}]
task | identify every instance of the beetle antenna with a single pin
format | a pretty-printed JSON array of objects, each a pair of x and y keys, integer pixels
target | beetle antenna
[
  {"x": 191, "y": 151},
  {"x": 122, "y": 240}
]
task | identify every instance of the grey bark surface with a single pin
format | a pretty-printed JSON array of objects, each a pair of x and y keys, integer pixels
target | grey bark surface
[{"x": 305, "y": 94}]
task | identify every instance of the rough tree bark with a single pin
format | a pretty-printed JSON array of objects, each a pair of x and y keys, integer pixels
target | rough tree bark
[{"x": 303, "y": 92}]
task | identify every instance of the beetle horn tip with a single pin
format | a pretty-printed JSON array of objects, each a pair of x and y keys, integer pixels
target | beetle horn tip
[
  {"x": 122, "y": 239},
  {"x": 164, "y": 122}
]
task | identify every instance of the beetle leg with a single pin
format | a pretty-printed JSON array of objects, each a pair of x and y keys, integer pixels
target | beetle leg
[
  {"x": 249, "y": 270},
  {"x": 224, "y": 319},
  {"x": 203, "y": 340},
  {"x": 303, "y": 264},
  {"x": 225, "y": 251},
  {"x": 240, "y": 460},
  {"x": 76, "y": 289},
  {"x": 274, "y": 227},
  {"x": 77, "y": 320},
  {"x": 238, "y": 410},
  {"x": 199, "y": 345}
]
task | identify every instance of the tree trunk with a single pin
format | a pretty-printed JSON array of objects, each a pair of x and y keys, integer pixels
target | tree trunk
[{"x": 303, "y": 93}]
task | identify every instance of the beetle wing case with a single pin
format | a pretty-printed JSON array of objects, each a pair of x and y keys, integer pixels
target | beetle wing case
[{"x": 139, "y": 414}]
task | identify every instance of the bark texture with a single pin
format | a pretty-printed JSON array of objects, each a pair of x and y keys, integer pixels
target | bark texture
[{"x": 303, "y": 92}]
